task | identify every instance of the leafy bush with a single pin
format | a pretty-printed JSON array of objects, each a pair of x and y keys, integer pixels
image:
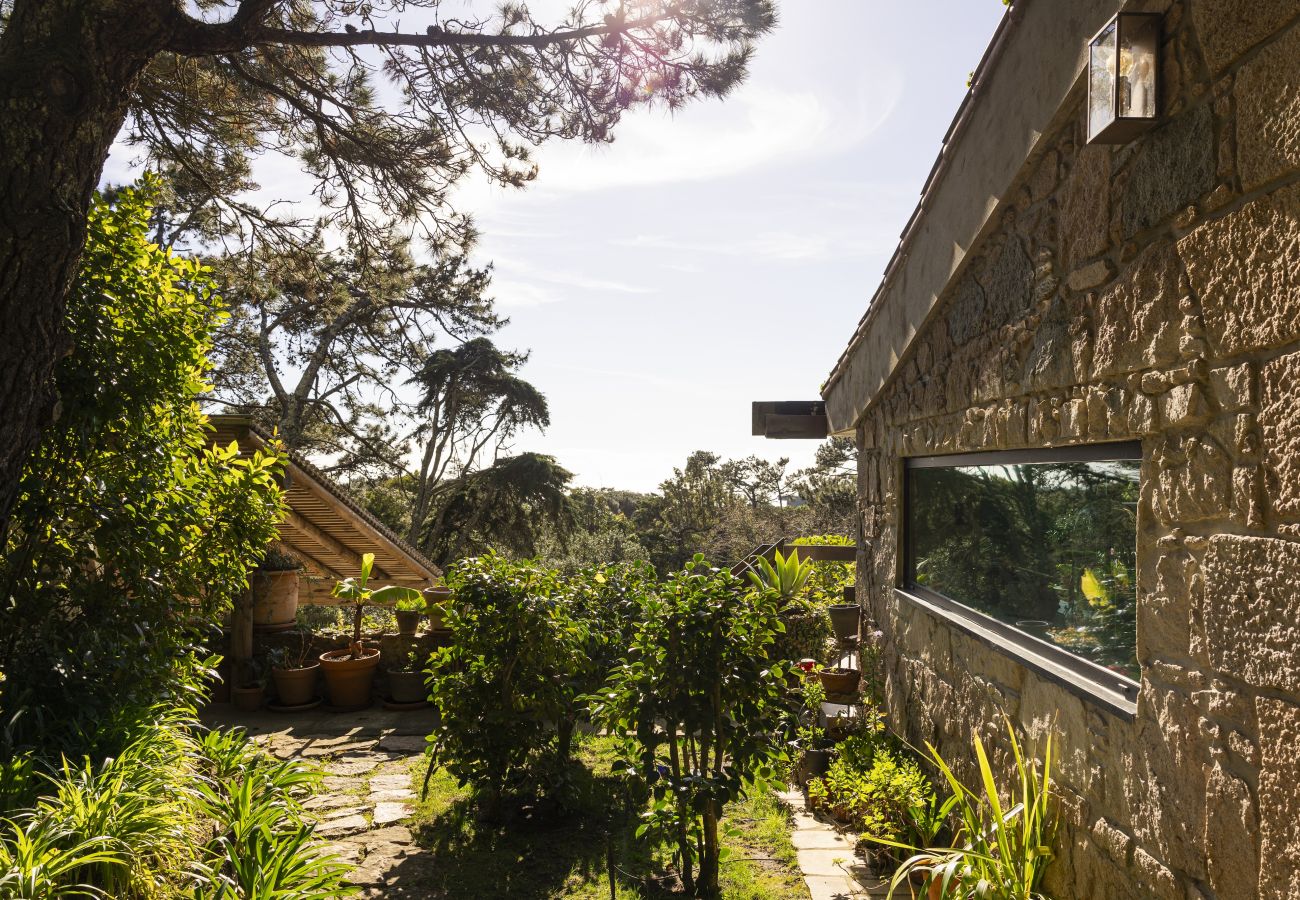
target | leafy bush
[
  {"x": 130, "y": 535},
  {"x": 510, "y": 675},
  {"x": 698, "y": 704},
  {"x": 875, "y": 785}
]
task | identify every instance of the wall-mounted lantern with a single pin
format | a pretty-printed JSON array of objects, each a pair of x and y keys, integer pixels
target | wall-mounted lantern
[{"x": 1123, "y": 77}]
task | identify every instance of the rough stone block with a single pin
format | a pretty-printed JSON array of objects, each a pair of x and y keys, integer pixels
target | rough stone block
[
  {"x": 1252, "y": 609},
  {"x": 1085, "y": 206},
  {"x": 1228, "y": 28},
  {"x": 1184, "y": 406},
  {"x": 1158, "y": 879},
  {"x": 1279, "y": 799},
  {"x": 1245, "y": 268},
  {"x": 1279, "y": 421},
  {"x": 1010, "y": 287},
  {"x": 1137, "y": 319},
  {"x": 1267, "y": 92},
  {"x": 1233, "y": 388},
  {"x": 1174, "y": 167},
  {"x": 1231, "y": 836},
  {"x": 1091, "y": 275},
  {"x": 1194, "y": 477}
]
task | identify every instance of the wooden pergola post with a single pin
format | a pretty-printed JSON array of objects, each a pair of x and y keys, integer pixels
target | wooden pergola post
[{"x": 241, "y": 638}]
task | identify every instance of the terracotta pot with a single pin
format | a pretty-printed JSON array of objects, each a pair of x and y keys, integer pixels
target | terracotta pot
[
  {"x": 407, "y": 687},
  {"x": 436, "y": 595},
  {"x": 248, "y": 699},
  {"x": 840, "y": 681},
  {"x": 844, "y": 619},
  {"x": 349, "y": 680},
  {"x": 296, "y": 687},
  {"x": 275, "y": 598},
  {"x": 408, "y": 621}
]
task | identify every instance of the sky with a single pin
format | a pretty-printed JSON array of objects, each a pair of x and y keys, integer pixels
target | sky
[{"x": 723, "y": 254}]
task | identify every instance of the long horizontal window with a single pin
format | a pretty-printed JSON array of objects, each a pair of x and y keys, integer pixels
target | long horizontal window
[{"x": 1042, "y": 541}]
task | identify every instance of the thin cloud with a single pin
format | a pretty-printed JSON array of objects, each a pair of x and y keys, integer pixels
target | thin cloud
[{"x": 755, "y": 128}]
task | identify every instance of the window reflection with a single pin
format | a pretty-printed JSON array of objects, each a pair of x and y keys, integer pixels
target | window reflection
[{"x": 1049, "y": 548}]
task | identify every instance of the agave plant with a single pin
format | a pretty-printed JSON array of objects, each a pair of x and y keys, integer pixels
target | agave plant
[
  {"x": 786, "y": 575},
  {"x": 358, "y": 592}
]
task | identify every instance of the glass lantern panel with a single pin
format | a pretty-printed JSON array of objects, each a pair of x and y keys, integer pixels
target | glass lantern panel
[
  {"x": 1137, "y": 67},
  {"x": 1101, "y": 80}
]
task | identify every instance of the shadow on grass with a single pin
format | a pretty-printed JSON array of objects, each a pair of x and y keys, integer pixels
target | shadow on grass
[{"x": 540, "y": 850}]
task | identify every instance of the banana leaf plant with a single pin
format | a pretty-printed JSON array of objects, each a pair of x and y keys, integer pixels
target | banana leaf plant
[{"x": 357, "y": 591}]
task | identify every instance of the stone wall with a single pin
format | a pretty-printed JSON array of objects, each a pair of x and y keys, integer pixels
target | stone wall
[{"x": 1148, "y": 292}]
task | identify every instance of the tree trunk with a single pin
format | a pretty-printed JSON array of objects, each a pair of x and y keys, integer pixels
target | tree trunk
[
  {"x": 708, "y": 885},
  {"x": 67, "y": 69}
]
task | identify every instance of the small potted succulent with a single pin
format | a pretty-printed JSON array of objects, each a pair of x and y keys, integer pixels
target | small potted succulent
[
  {"x": 408, "y": 615},
  {"x": 274, "y": 584},
  {"x": 294, "y": 671},
  {"x": 350, "y": 672},
  {"x": 406, "y": 684}
]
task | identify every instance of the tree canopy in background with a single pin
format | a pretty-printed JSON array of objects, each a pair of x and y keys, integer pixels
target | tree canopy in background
[{"x": 384, "y": 117}]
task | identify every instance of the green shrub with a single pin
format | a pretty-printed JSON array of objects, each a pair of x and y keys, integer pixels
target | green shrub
[
  {"x": 509, "y": 677},
  {"x": 130, "y": 536},
  {"x": 878, "y": 785},
  {"x": 698, "y": 705}
]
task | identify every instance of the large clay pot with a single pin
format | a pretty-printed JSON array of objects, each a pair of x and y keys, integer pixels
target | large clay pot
[
  {"x": 349, "y": 680},
  {"x": 436, "y": 596},
  {"x": 275, "y": 598},
  {"x": 296, "y": 687},
  {"x": 839, "y": 681},
  {"x": 408, "y": 621},
  {"x": 844, "y": 619},
  {"x": 407, "y": 687}
]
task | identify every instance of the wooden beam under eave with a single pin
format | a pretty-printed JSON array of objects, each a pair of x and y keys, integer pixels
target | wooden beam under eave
[
  {"x": 312, "y": 562},
  {"x": 312, "y": 531}
]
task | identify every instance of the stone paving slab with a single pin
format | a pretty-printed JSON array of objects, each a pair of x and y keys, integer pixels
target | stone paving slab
[{"x": 828, "y": 857}]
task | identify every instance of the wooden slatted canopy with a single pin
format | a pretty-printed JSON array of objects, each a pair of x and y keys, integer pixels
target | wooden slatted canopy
[
  {"x": 326, "y": 528},
  {"x": 789, "y": 419}
]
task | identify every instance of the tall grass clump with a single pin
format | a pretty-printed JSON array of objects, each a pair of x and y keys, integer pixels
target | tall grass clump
[{"x": 999, "y": 850}]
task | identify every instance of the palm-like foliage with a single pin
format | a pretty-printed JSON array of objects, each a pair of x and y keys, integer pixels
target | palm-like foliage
[
  {"x": 357, "y": 591},
  {"x": 786, "y": 575}
]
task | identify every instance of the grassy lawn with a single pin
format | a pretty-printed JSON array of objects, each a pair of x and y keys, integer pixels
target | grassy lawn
[{"x": 565, "y": 854}]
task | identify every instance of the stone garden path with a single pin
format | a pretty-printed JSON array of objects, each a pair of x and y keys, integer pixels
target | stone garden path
[
  {"x": 367, "y": 758},
  {"x": 830, "y": 868}
]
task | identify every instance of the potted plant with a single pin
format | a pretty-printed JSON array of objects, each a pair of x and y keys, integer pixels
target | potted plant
[
  {"x": 274, "y": 584},
  {"x": 406, "y": 684},
  {"x": 294, "y": 672},
  {"x": 837, "y": 680},
  {"x": 349, "y": 673},
  {"x": 408, "y": 615},
  {"x": 434, "y": 600},
  {"x": 250, "y": 689},
  {"x": 845, "y": 616}
]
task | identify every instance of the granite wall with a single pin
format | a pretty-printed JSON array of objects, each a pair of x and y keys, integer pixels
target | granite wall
[{"x": 1148, "y": 292}]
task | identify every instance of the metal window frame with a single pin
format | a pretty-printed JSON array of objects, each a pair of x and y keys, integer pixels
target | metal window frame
[{"x": 1112, "y": 691}]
